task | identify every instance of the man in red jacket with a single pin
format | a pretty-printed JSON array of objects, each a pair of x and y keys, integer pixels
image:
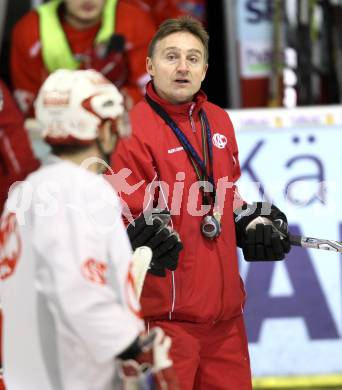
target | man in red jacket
[
  {"x": 110, "y": 36},
  {"x": 183, "y": 156},
  {"x": 16, "y": 156}
]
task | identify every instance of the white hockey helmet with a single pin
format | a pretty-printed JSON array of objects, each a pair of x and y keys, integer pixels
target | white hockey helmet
[{"x": 72, "y": 104}]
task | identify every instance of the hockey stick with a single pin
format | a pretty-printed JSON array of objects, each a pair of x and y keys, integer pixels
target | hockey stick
[
  {"x": 275, "y": 88},
  {"x": 315, "y": 243},
  {"x": 304, "y": 51},
  {"x": 290, "y": 78},
  {"x": 304, "y": 242},
  {"x": 141, "y": 261},
  {"x": 142, "y": 255}
]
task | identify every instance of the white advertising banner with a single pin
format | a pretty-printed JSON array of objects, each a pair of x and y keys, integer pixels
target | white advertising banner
[
  {"x": 293, "y": 158},
  {"x": 254, "y": 34}
]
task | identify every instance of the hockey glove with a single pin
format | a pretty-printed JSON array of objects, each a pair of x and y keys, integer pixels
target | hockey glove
[
  {"x": 147, "y": 364},
  {"x": 153, "y": 231},
  {"x": 262, "y": 232}
]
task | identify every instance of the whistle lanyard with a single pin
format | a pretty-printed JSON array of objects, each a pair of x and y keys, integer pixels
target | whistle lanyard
[{"x": 200, "y": 166}]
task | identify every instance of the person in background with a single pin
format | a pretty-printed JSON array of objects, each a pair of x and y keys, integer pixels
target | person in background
[
  {"x": 16, "y": 156},
  {"x": 71, "y": 317},
  {"x": 183, "y": 156},
  {"x": 167, "y": 9},
  {"x": 110, "y": 36}
]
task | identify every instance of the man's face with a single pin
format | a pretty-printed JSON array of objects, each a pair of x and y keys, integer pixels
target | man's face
[
  {"x": 178, "y": 67},
  {"x": 85, "y": 11}
]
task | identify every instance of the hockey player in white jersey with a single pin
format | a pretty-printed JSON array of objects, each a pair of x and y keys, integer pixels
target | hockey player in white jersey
[{"x": 71, "y": 317}]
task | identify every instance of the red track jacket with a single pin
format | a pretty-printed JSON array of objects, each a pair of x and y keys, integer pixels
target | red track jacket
[
  {"x": 28, "y": 71},
  {"x": 16, "y": 157},
  {"x": 206, "y": 285}
]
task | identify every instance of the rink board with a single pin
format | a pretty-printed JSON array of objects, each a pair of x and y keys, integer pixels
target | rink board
[{"x": 294, "y": 308}]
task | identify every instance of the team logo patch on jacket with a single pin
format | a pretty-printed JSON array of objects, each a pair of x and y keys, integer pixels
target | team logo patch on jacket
[
  {"x": 10, "y": 245},
  {"x": 94, "y": 271},
  {"x": 175, "y": 150},
  {"x": 219, "y": 140}
]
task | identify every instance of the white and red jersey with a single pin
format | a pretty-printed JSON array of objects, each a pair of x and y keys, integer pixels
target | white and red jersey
[{"x": 66, "y": 290}]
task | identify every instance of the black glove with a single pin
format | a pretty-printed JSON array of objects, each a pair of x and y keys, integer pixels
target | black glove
[
  {"x": 152, "y": 231},
  {"x": 261, "y": 232}
]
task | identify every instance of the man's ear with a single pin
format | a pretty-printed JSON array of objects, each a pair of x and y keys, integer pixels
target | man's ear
[
  {"x": 107, "y": 137},
  {"x": 149, "y": 66},
  {"x": 205, "y": 71}
]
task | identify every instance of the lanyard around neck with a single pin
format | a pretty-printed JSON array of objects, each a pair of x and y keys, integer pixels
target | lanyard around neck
[{"x": 200, "y": 166}]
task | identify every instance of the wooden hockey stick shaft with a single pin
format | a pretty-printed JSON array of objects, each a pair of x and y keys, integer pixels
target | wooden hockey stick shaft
[{"x": 141, "y": 262}]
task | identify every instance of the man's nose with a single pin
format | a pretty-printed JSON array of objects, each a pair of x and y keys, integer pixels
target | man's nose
[{"x": 183, "y": 65}]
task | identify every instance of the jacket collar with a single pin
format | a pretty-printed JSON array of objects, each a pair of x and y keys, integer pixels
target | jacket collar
[{"x": 184, "y": 109}]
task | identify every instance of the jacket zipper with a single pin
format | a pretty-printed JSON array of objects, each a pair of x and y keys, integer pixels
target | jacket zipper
[
  {"x": 173, "y": 295},
  {"x": 173, "y": 273},
  {"x": 191, "y": 117},
  {"x": 12, "y": 158}
]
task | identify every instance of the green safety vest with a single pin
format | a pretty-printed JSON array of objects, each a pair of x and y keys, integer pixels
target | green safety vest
[{"x": 56, "y": 51}]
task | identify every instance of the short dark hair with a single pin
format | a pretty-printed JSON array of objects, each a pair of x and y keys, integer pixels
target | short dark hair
[
  {"x": 71, "y": 149},
  {"x": 181, "y": 24}
]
